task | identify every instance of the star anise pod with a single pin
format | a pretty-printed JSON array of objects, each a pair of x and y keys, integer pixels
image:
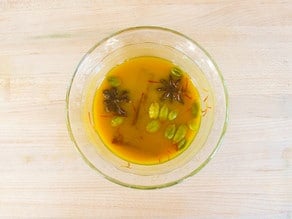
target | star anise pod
[
  {"x": 113, "y": 98},
  {"x": 172, "y": 89}
]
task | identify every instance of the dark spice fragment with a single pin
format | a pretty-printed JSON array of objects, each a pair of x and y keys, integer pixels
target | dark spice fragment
[
  {"x": 113, "y": 98},
  {"x": 118, "y": 139},
  {"x": 172, "y": 90},
  {"x": 137, "y": 111}
]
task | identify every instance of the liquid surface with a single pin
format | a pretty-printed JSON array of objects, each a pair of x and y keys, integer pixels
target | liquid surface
[{"x": 125, "y": 110}]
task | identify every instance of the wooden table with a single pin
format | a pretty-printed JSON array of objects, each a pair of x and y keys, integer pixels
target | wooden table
[{"x": 41, "y": 174}]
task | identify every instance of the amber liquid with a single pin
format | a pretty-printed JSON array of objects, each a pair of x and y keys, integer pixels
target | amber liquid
[{"x": 141, "y": 76}]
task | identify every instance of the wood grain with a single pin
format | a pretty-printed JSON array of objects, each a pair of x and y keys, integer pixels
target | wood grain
[{"x": 42, "y": 175}]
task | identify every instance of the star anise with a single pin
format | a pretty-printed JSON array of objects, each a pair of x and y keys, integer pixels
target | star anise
[
  {"x": 113, "y": 98},
  {"x": 172, "y": 89}
]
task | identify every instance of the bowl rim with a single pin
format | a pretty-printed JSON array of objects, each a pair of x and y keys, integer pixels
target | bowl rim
[{"x": 164, "y": 185}]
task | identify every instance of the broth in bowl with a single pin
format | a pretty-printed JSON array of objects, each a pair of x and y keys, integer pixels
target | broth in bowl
[{"x": 147, "y": 110}]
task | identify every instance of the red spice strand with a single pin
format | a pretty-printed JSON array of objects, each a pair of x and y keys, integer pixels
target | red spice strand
[
  {"x": 204, "y": 112},
  {"x": 89, "y": 117},
  {"x": 128, "y": 165},
  {"x": 186, "y": 87},
  {"x": 134, "y": 108},
  {"x": 168, "y": 154},
  {"x": 184, "y": 90},
  {"x": 206, "y": 98},
  {"x": 151, "y": 81},
  {"x": 105, "y": 116},
  {"x": 186, "y": 95},
  {"x": 175, "y": 146}
]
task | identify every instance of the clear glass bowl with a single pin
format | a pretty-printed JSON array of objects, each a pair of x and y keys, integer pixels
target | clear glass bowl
[{"x": 147, "y": 41}]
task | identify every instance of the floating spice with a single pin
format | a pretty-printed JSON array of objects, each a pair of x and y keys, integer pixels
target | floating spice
[
  {"x": 153, "y": 110},
  {"x": 195, "y": 109},
  {"x": 152, "y": 126},
  {"x": 163, "y": 112},
  {"x": 176, "y": 71},
  {"x": 170, "y": 131},
  {"x": 117, "y": 120},
  {"x": 181, "y": 144},
  {"x": 113, "y": 98},
  {"x": 136, "y": 116},
  {"x": 114, "y": 81},
  {"x": 180, "y": 133},
  {"x": 172, "y": 115},
  {"x": 194, "y": 124},
  {"x": 172, "y": 89}
]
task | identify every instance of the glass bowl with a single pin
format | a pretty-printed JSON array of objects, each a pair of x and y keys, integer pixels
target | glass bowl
[{"x": 147, "y": 41}]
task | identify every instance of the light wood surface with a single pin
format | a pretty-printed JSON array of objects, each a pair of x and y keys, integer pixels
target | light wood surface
[{"x": 41, "y": 173}]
